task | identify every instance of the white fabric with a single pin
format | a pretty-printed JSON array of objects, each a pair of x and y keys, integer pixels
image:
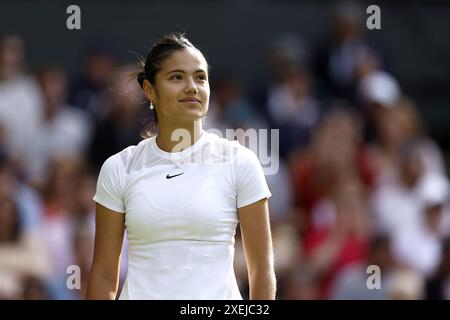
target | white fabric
[
  {"x": 418, "y": 248},
  {"x": 20, "y": 113},
  {"x": 52, "y": 139},
  {"x": 181, "y": 230},
  {"x": 396, "y": 207}
]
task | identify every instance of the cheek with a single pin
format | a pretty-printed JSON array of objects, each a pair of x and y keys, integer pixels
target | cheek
[
  {"x": 206, "y": 92},
  {"x": 167, "y": 95}
]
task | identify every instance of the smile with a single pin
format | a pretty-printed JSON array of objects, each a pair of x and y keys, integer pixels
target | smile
[{"x": 190, "y": 100}]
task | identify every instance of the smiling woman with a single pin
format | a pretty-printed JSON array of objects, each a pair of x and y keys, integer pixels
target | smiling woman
[
  {"x": 179, "y": 92},
  {"x": 181, "y": 210},
  {"x": 171, "y": 63}
]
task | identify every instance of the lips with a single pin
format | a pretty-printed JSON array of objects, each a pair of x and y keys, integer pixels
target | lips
[{"x": 192, "y": 100}]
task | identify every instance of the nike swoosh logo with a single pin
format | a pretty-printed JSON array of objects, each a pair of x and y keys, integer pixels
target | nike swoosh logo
[{"x": 175, "y": 175}]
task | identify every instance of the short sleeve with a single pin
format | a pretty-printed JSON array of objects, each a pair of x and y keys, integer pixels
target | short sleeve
[
  {"x": 251, "y": 184},
  {"x": 109, "y": 192}
]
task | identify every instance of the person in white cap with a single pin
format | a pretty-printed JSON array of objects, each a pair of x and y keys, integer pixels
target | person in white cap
[{"x": 419, "y": 247}]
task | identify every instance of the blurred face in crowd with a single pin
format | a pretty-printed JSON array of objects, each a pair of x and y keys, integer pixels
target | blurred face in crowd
[
  {"x": 8, "y": 220},
  {"x": 53, "y": 84},
  {"x": 380, "y": 252},
  {"x": 298, "y": 81},
  {"x": 181, "y": 91},
  {"x": 335, "y": 140},
  {"x": 411, "y": 168},
  {"x": 11, "y": 56},
  {"x": 347, "y": 25},
  {"x": 397, "y": 124},
  {"x": 64, "y": 177},
  {"x": 433, "y": 215},
  {"x": 99, "y": 68},
  {"x": 390, "y": 127}
]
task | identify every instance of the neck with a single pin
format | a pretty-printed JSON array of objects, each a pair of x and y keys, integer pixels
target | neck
[
  {"x": 51, "y": 111},
  {"x": 174, "y": 137}
]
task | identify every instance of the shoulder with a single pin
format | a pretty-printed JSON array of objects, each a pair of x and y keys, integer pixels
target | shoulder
[
  {"x": 224, "y": 150},
  {"x": 124, "y": 159},
  {"x": 234, "y": 151}
]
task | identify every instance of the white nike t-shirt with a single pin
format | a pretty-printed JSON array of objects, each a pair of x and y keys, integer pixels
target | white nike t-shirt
[{"x": 181, "y": 215}]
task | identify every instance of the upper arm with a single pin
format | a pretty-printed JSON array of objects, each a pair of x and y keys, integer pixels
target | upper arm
[
  {"x": 109, "y": 232},
  {"x": 250, "y": 181},
  {"x": 256, "y": 236}
]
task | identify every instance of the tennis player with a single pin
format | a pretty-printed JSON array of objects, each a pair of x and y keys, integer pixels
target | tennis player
[{"x": 180, "y": 202}]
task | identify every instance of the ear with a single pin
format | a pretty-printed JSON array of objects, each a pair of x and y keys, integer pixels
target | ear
[{"x": 149, "y": 90}]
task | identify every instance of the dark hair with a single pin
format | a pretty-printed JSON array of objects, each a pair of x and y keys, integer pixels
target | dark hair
[
  {"x": 158, "y": 53},
  {"x": 160, "y": 50}
]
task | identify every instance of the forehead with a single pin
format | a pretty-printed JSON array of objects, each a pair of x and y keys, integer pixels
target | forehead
[{"x": 189, "y": 59}]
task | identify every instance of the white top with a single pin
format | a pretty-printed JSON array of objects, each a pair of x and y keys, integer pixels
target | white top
[
  {"x": 418, "y": 248},
  {"x": 181, "y": 215}
]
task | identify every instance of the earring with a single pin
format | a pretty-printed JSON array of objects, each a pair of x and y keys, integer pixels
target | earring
[{"x": 151, "y": 106}]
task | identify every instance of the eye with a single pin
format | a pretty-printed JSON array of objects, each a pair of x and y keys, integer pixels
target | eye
[
  {"x": 175, "y": 77},
  {"x": 201, "y": 77}
]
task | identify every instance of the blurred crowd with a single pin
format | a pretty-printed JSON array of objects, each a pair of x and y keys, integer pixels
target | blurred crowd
[{"x": 360, "y": 182}]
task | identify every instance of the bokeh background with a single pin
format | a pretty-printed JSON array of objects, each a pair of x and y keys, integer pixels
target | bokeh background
[{"x": 364, "y": 120}]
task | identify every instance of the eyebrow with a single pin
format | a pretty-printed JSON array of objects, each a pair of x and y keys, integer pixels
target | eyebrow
[{"x": 182, "y": 71}]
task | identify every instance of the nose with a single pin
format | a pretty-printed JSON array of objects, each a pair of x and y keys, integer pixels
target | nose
[{"x": 191, "y": 87}]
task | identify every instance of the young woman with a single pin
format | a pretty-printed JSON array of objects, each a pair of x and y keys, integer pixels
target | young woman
[{"x": 180, "y": 202}]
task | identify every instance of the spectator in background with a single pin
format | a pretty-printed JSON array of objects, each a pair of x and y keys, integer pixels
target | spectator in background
[
  {"x": 64, "y": 129},
  {"x": 61, "y": 203},
  {"x": 336, "y": 63},
  {"x": 27, "y": 200},
  {"x": 88, "y": 92},
  {"x": 377, "y": 91},
  {"x": 120, "y": 126},
  {"x": 287, "y": 101},
  {"x": 351, "y": 282},
  {"x": 20, "y": 100},
  {"x": 342, "y": 238},
  {"x": 22, "y": 253},
  {"x": 336, "y": 151},
  {"x": 397, "y": 124},
  {"x": 83, "y": 225},
  {"x": 292, "y": 108},
  {"x": 438, "y": 284},
  {"x": 397, "y": 203},
  {"x": 419, "y": 246}
]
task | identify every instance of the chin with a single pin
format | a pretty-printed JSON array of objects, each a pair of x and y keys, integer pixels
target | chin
[
  {"x": 192, "y": 116},
  {"x": 195, "y": 114}
]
